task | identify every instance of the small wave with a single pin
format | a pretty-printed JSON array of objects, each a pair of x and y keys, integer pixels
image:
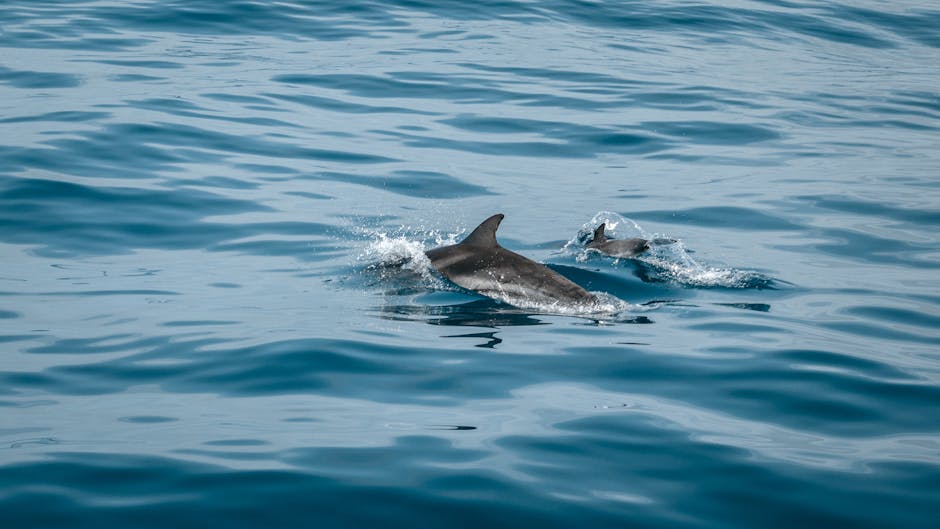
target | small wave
[{"x": 667, "y": 260}]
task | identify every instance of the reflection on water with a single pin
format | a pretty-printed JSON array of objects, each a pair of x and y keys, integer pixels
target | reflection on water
[{"x": 477, "y": 313}]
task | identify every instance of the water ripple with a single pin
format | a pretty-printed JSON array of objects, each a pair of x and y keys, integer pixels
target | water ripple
[{"x": 215, "y": 310}]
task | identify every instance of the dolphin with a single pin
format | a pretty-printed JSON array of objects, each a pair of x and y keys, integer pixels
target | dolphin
[
  {"x": 625, "y": 248},
  {"x": 480, "y": 264}
]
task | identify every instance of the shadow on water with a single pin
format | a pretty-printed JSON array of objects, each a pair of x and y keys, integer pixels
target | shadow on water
[
  {"x": 478, "y": 313},
  {"x": 484, "y": 313},
  {"x": 491, "y": 340}
]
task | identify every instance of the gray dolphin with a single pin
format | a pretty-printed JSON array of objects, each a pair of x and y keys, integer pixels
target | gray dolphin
[
  {"x": 480, "y": 264},
  {"x": 625, "y": 248}
]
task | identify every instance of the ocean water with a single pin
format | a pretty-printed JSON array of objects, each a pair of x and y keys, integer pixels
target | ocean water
[{"x": 214, "y": 311}]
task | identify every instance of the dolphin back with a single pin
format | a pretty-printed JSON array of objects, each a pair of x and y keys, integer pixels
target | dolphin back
[
  {"x": 616, "y": 247},
  {"x": 599, "y": 236},
  {"x": 480, "y": 264},
  {"x": 484, "y": 235}
]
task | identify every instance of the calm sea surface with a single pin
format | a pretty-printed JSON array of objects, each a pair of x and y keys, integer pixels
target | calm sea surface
[{"x": 214, "y": 314}]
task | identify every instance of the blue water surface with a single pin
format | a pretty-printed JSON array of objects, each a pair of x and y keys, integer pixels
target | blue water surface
[{"x": 213, "y": 310}]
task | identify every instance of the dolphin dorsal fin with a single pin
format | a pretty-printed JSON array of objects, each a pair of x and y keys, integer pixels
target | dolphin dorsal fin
[
  {"x": 599, "y": 236},
  {"x": 485, "y": 234}
]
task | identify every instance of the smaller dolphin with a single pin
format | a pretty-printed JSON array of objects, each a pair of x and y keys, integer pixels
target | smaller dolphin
[
  {"x": 625, "y": 248},
  {"x": 480, "y": 264}
]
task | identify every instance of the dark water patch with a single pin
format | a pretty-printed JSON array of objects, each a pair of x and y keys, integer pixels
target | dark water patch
[
  {"x": 66, "y": 116},
  {"x": 181, "y": 108},
  {"x": 903, "y": 110},
  {"x": 222, "y": 182},
  {"x": 359, "y": 370},
  {"x": 99, "y": 345},
  {"x": 198, "y": 323},
  {"x": 738, "y": 328},
  {"x": 704, "y": 160},
  {"x": 862, "y": 367},
  {"x": 482, "y": 10},
  {"x": 928, "y": 101},
  {"x": 684, "y": 19},
  {"x": 225, "y": 285},
  {"x": 581, "y": 142},
  {"x": 237, "y": 442},
  {"x": 61, "y": 25},
  {"x": 319, "y": 21},
  {"x": 568, "y": 76},
  {"x": 185, "y": 135},
  {"x": 418, "y": 184},
  {"x": 906, "y": 214},
  {"x": 62, "y": 218},
  {"x": 9, "y": 315},
  {"x": 27, "y": 404},
  {"x": 638, "y": 445},
  {"x": 883, "y": 333},
  {"x": 123, "y": 150},
  {"x": 721, "y": 216},
  {"x": 413, "y": 51},
  {"x": 838, "y": 404},
  {"x": 826, "y": 29},
  {"x": 267, "y": 168},
  {"x": 821, "y": 401},
  {"x": 148, "y": 419},
  {"x": 125, "y": 490},
  {"x": 95, "y": 293},
  {"x": 917, "y": 24},
  {"x": 305, "y": 250},
  {"x": 712, "y": 133},
  {"x": 238, "y": 454},
  {"x": 762, "y": 388},
  {"x": 8, "y": 338},
  {"x": 893, "y": 123},
  {"x": 677, "y": 101},
  {"x": 421, "y": 85},
  {"x": 299, "y": 366},
  {"x": 236, "y": 98},
  {"x": 500, "y": 125},
  {"x": 461, "y": 89},
  {"x": 434, "y": 35},
  {"x": 155, "y": 64},
  {"x": 101, "y": 154},
  {"x": 867, "y": 247},
  {"x": 38, "y": 80},
  {"x": 337, "y": 105},
  {"x": 312, "y": 196},
  {"x": 134, "y": 78},
  {"x": 720, "y": 24},
  {"x": 896, "y": 316}
]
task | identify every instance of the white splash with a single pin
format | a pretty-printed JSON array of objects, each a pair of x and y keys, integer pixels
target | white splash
[
  {"x": 668, "y": 259},
  {"x": 388, "y": 256}
]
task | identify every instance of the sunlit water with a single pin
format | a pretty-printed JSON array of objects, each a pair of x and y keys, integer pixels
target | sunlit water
[{"x": 215, "y": 309}]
